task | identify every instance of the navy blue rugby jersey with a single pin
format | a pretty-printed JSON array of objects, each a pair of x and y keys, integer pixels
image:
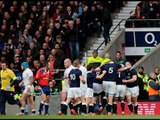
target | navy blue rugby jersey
[
  {"x": 90, "y": 78},
  {"x": 120, "y": 77},
  {"x": 74, "y": 77},
  {"x": 129, "y": 74},
  {"x": 99, "y": 81},
  {"x": 111, "y": 71}
]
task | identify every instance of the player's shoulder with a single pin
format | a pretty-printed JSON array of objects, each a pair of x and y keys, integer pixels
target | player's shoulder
[
  {"x": 29, "y": 70},
  {"x": 133, "y": 70}
]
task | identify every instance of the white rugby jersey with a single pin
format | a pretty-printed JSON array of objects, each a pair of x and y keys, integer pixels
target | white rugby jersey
[{"x": 27, "y": 73}]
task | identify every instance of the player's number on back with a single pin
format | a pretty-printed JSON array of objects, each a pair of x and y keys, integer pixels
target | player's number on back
[
  {"x": 110, "y": 70},
  {"x": 97, "y": 73},
  {"x": 73, "y": 76}
]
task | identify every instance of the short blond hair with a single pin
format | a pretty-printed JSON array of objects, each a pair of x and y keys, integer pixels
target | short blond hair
[{"x": 107, "y": 55}]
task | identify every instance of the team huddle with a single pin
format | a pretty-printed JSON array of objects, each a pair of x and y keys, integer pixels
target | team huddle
[
  {"x": 85, "y": 90},
  {"x": 90, "y": 90}
]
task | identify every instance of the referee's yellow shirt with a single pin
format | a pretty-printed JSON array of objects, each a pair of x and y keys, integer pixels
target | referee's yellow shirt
[{"x": 6, "y": 77}]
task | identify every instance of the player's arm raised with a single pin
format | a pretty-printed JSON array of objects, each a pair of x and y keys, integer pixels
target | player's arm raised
[{"x": 101, "y": 75}]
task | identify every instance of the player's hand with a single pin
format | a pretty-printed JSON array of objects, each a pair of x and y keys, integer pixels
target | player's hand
[
  {"x": 29, "y": 89},
  {"x": 57, "y": 71},
  {"x": 83, "y": 82},
  {"x": 8, "y": 88},
  {"x": 65, "y": 77},
  {"x": 20, "y": 84},
  {"x": 39, "y": 88},
  {"x": 124, "y": 81}
]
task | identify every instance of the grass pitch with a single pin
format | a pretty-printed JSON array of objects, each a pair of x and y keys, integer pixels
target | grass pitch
[{"x": 82, "y": 117}]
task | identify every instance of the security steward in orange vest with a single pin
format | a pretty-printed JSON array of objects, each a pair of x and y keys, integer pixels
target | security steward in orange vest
[{"x": 154, "y": 88}]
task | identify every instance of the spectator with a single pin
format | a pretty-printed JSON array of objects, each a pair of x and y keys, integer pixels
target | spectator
[
  {"x": 95, "y": 59},
  {"x": 42, "y": 60},
  {"x": 9, "y": 53},
  {"x": 51, "y": 60},
  {"x": 130, "y": 24},
  {"x": 46, "y": 49},
  {"x": 47, "y": 40},
  {"x": 73, "y": 41},
  {"x": 61, "y": 42},
  {"x": 27, "y": 36},
  {"x": 58, "y": 30},
  {"x": 107, "y": 24},
  {"x": 60, "y": 55},
  {"x": 67, "y": 15},
  {"x": 94, "y": 21},
  {"x": 23, "y": 45},
  {"x": 51, "y": 86},
  {"x": 38, "y": 39},
  {"x": 34, "y": 50},
  {"x": 107, "y": 59},
  {"x": 143, "y": 83},
  {"x": 81, "y": 33},
  {"x": 17, "y": 62},
  {"x": 154, "y": 88},
  {"x": 119, "y": 59}
]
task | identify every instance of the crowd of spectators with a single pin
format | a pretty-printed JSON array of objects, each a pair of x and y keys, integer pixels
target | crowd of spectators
[
  {"x": 143, "y": 13},
  {"x": 41, "y": 31}
]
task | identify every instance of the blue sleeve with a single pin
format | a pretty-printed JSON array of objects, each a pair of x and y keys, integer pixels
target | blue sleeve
[
  {"x": 80, "y": 73},
  {"x": 118, "y": 66},
  {"x": 80, "y": 10},
  {"x": 133, "y": 71},
  {"x": 102, "y": 67},
  {"x": 15, "y": 82},
  {"x": 94, "y": 74},
  {"x": 153, "y": 85}
]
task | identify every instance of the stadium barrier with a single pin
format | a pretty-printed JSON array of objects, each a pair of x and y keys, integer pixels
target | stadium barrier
[
  {"x": 144, "y": 108},
  {"x": 53, "y": 108}
]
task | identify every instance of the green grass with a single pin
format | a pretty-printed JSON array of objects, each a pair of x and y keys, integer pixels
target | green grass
[{"x": 82, "y": 117}]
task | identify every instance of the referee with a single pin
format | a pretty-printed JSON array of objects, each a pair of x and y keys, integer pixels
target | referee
[{"x": 7, "y": 91}]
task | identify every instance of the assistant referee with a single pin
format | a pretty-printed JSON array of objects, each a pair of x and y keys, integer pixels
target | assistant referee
[{"x": 7, "y": 91}]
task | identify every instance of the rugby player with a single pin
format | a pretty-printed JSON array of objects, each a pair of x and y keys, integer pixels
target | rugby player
[
  {"x": 27, "y": 81},
  {"x": 74, "y": 91},
  {"x": 132, "y": 88},
  {"x": 109, "y": 72},
  {"x": 68, "y": 65},
  {"x": 120, "y": 92}
]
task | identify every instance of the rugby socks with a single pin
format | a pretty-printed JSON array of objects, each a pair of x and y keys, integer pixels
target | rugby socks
[
  {"x": 33, "y": 111},
  {"x": 114, "y": 108},
  {"x": 22, "y": 110},
  {"x": 41, "y": 106},
  {"x": 130, "y": 106},
  {"x": 84, "y": 108},
  {"x": 91, "y": 108},
  {"x": 74, "y": 109},
  {"x": 70, "y": 105},
  {"x": 79, "y": 107},
  {"x": 104, "y": 102},
  {"x": 46, "y": 108},
  {"x": 102, "y": 95},
  {"x": 136, "y": 108},
  {"x": 64, "y": 107},
  {"x": 122, "y": 106},
  {"x": 109, "y": 107}
]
